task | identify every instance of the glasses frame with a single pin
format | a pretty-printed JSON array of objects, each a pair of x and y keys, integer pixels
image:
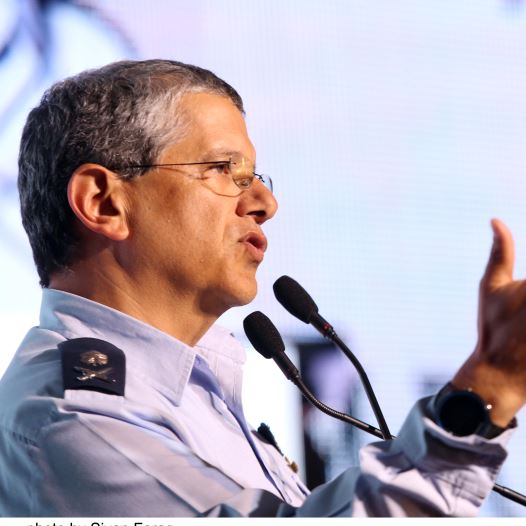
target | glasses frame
[{"x": 259, "y": 177}]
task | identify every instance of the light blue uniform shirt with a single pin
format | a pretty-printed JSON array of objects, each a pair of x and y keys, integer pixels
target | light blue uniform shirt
[{"x": 177, "y": 444}]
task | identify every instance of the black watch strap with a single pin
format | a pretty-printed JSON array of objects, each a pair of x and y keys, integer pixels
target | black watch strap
[{"x": 462, "y": 412}]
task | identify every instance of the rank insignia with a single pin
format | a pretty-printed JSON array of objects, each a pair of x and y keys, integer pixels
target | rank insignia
[{"x": 90, "y": 363}]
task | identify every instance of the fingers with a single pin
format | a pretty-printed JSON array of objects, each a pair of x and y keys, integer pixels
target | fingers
[{"x": 499, "y": 270}]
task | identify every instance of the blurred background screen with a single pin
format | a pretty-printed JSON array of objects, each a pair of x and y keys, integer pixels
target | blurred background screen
[{"x": 393, "y": 130}]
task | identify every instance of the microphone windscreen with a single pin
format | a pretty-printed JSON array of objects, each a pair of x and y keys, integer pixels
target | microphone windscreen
[
  {"x": 295, "y": 298},
  {"x": 263, "y": 335}
]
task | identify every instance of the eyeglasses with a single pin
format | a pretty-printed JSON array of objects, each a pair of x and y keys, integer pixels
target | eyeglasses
[{"x": 230, "y": 177}]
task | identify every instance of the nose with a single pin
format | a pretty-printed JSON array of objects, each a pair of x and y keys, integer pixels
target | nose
[{"x": 259, "y": 202}]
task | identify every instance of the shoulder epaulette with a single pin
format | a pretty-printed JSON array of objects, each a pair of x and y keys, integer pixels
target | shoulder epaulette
[{"x": 90, "y": 363}]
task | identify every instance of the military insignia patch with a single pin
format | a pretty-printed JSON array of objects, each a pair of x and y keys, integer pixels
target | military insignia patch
[
  {"x": 93, "y": 358},
  {"x": 90, "y": 363}
]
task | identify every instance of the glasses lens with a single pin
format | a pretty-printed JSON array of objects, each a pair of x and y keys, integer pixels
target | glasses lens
[
  {"x": 233, "y": 177},
  {"x": 267, "y": 181},
  {"x": 218, "y": 177},
  {"x": 244, "y": 175}
]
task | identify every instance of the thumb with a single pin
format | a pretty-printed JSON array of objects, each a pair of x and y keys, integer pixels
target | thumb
[{"x": 499, "y": 270}]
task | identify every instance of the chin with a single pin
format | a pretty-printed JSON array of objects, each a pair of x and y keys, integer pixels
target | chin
[
  {"x": 243, "y": 292},
  {"x": 246, "y": 296},
  {"x": 222, "y": 297}
]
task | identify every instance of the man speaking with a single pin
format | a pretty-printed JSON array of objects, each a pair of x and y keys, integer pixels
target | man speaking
[{"x": 144, "y": 209}]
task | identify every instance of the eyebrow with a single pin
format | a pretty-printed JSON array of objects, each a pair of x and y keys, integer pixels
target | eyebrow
[{"x": 220, "y": 152}]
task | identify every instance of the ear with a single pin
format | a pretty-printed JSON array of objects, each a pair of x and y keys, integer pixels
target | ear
[{"x": 98, "y": 199}]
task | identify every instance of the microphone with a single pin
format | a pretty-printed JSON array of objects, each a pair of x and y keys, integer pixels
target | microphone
[
  {"x": 266, "y": 339},
  {"x": 299, "y": 303}
]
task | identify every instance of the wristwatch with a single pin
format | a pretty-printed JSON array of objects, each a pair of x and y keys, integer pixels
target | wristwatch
[{"x": 463, "y": 412}]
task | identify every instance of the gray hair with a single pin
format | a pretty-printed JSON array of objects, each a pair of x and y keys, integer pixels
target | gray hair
[{"x": 122, "y": 114}]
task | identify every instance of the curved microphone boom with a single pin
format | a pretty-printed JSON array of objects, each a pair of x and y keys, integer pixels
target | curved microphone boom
[
  {"x": 299, "y": 303},
  {"x": 266, "y": 339}
]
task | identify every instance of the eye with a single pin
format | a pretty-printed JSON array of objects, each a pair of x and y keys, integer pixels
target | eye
[
  {"x": 220, "y": 168},
  {"x": 244, "y": 182}
]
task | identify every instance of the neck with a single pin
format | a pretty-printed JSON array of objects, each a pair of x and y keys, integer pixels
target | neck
[{"x": 177, "y": 313}]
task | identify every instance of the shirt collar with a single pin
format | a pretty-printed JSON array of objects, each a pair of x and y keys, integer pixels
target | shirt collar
[
  {"x": 225, "y": 357},
  {"x": 151, "y": 353}
]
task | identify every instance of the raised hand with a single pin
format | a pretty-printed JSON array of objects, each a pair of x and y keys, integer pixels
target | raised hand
[{"x": 497, "y": 368}]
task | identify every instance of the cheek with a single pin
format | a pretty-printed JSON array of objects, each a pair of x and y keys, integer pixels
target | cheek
[
  {"x": 190, "y": 220},
  {"x": 204, "y": 227}
]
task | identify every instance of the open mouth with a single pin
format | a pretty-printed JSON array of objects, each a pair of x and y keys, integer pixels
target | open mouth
[{"x": 256, "y": 244}]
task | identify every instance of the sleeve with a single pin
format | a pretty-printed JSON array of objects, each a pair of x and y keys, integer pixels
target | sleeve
[
  {"x": 95, "y": 465},
  {"x": 425, "y": 471}
]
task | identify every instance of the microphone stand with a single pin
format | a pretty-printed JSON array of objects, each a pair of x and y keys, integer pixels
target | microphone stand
[
  {"x": 344, "y": 417},
  {"x": 300, "y": 304},
  {"x": 328, "y": 331}
]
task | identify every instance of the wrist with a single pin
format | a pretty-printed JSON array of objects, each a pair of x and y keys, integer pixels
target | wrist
[
  {"x": 462, "y": 412},
  {"x": 492, "y": 386}
]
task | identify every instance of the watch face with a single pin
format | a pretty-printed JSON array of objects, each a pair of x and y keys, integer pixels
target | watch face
[{"x": 462, "y": 413}]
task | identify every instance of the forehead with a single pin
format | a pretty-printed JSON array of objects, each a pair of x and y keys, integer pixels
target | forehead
[{"x": 215, "y": 128}]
